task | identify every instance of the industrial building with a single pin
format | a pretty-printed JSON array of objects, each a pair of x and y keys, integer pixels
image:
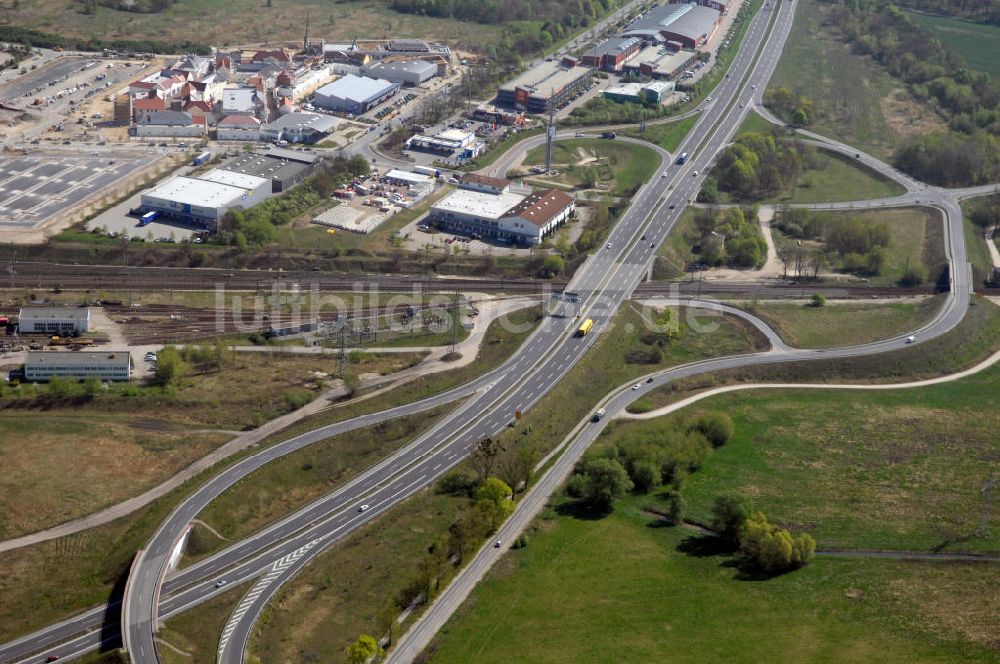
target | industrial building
[
  {"x": 447, "y": 143},
  {"x": 661, "y": 61},
  {"x": 53, "y": 320},
  {"x": 548, "y": 83},
  {"x": 646, "y": 93},
  {"x": 284, "y": 168},
  {"x": 354, "y": 94},
  {"x": 113, "y": 365},
  {"x": 611, "y": 54},
  {"x": 204, "y": 200},
  {"x": 504, "y": 216},
  {"x": 407, "y": 72},
  {"x": 690, "y": 25},
  {"x": 537, "y": 216},
  {"x": 299, "y": 128}
]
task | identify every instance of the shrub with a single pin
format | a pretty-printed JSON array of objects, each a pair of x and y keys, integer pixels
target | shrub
[
  {"x": 773, "y": 549},
  {"x": 715, "y": 426}
]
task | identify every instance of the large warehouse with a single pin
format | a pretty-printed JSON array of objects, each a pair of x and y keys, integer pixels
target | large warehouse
[
  {"x": 690, "y": 25},
  {"x": 407, "y": 72},
  {"x": 505, "y": 216},
  {"x": 42, "y": 366},
  {"x": 354, "y": 94},
  {"x": 53, "y": 320},
  {"x": 203, "y": 201},
  {"x": 548, "y": 82},
  {"x": 299, "y": 128}
]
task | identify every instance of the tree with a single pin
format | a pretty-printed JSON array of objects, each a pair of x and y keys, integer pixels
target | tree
[
  {"x": 800, "y": 118},
  {"x": 717, "y": 427},
  {"x": 494, "y": 500},
  {"x": 774, "y": 549},
  {"x": 818, "y": 300},
  {"x": 645, "y": 475},
  {"x": 362, "y": 650},
  {"x": 170, "y": 367},
  {"x": 605, "y": 481},
  {"x": 729, "y": 512},
  {"x": 553, "y": 265},
  {"x": 676, "y": 506},
  {"x": 484, "y": 458}
]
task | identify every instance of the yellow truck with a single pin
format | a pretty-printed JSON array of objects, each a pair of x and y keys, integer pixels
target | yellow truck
[{"x": 585, "y": 327}]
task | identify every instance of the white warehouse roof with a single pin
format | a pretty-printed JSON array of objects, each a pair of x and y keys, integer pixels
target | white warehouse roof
[
  {"x": 242, "y": 180},
  {"x": 196, "y": 192},
  {"x": 407, "y": 176},
  {"x": 55, "y": 313},
  {"x": 479, "y": 204},
  {"x": 356, "y": 88}
]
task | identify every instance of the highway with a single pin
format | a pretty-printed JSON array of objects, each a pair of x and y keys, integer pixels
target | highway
[
  {"x": 605, "y": 280},
  {"x": 276, "y": 554}
]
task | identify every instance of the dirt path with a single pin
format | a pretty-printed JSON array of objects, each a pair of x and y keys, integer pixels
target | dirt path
[{"x": 683, "y": 403}]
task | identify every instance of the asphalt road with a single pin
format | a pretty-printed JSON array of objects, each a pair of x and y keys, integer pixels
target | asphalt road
[
  {"x": 276, "y": 554},
  {"x": 547, "y": 355}
]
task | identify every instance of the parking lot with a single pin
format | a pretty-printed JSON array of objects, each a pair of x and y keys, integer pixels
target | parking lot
[
  {"x": 36, "y": 187},
  {"x": 59, "y": 70}
]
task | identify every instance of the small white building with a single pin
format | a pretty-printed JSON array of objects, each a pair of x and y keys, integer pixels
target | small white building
[
  {"x": 406, "y": 178},
  {"x": 106, "y": 365},
  {"x": 54, "y": 320},
  {"x": 238, "y": 127}
]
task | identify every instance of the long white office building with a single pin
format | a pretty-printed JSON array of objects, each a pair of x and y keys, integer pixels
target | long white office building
[{"x": 105, "y": 365}]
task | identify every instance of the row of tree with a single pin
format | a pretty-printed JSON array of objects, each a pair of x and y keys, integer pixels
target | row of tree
[
  {"x": 762, "y": 545},
  {"x": 854, "y": 244},
  {"x": 758, "y": 165},
  {"x": 982, "y": 11},
  {"x": 530, "y": 25},
  {"x": 793, "y": 108},
  {"x": 646, "y": 459},
  {"x": 932, "y": 72}
]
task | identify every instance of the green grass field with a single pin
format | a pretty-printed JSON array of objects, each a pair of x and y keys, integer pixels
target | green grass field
[
  {"x": 978, "y": 43},
  {"x": 856, "y": 101},
  {"x": 623, "y": 167},
  {"x": 837, "y": 179},
  {"x": 844, "y": 324},
  {"x": 667, "y": 135},
  {"x": 754, "y": 123},
  {"x": 893, "y": 470},
  {"x": 975, "y": 243},
  {"x": 622, "y": 589}
]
